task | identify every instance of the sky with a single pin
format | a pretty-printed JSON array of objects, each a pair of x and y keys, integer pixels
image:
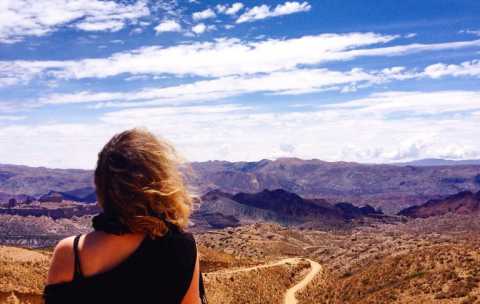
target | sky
[{"x": 364, "y": 81}]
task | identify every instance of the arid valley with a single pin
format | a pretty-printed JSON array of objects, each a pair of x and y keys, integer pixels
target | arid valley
[{"x": 284, "y": 231}]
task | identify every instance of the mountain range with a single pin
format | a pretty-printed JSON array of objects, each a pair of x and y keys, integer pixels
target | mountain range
[{"x": 389, "y": 187}]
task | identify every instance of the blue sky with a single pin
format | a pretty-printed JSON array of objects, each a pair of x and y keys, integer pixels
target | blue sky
[{"x": 366, "y": 81}]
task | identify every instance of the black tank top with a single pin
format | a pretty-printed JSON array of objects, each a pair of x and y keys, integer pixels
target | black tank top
[{"x": 158, "y": 271}]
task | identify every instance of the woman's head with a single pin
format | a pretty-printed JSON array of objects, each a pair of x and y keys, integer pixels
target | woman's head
[{"x": 137, "y": 180}]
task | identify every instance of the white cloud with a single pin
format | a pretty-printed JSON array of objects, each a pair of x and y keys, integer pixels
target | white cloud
[
  {"x": 134, "y": 115},
  {"x": 231, "y": 56},
  {"x": 205, "y": 14},
  {"x": 467, "y": 68},
  {"x": 230, "y": 10},
  {"x": 112, "y": 26},
  {"x": 20, "y": 141},
  {"x": 406, "y": 49},
  {"x": 473, "y": 32},
  {"x": 236, "y": 132},
  {"x": 265, "y": 11},
  {"x": 168, "y": 26},
  {"x": 221, "y": 8},
  {"x": 21, "y": 72},
  {"x": 292, "y": 82},
  {"x": 223, "y": 57},
  {"x": 21, "y": 18},
  {"x": 386, "y": 104},
  {"x": 235, "y": 8},
  {"x": 11, "y": 117},
  {"x": 202, "y": 28},
  {"x": 428, "y": 143}
]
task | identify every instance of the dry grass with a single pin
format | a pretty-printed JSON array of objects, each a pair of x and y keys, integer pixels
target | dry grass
[
  {"x": 212, "y": 260},
  {"x": 265, "y": 285},
  {"x": 22, "y": 274},
  {"x": 436, "y": 274}
]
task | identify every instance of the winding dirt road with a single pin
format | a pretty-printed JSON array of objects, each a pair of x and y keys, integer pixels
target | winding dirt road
[{"x": 290, "y": 298}]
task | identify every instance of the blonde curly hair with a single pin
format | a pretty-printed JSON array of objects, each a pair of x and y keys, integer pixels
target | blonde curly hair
[{"x": 137, "y": 179}]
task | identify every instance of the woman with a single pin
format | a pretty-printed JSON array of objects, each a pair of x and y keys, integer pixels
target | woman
[{"x": 138, "y": 251}]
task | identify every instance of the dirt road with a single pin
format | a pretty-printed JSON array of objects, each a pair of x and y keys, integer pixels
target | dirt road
[{"x": 290, "y": 298}]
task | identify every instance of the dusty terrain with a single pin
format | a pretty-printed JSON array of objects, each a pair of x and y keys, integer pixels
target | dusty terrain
[
  {"x": 22, "y": 274},
  {"x": 435, "y": 260}
]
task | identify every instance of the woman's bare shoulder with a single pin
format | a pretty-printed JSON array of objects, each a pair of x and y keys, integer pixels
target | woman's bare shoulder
[{"x": 62, "y": 264}]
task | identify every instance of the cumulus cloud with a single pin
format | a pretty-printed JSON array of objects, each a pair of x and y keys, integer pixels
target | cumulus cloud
[
  {"x": 202, "y": 28},
  {"x": 168, "y": 26},
  {"x": 265, "y": 11},
  {"x": 205, "y": 14},
  {"x": 427, "y": 144},
  {"x": 229, "y": 10},
  {"x": 199, "y": 28},
  {"x": 467, "y": 68},
  {"x": 21, "y": 18},
  {"x": 217, "y": 131},
  {"x": 234, "y": 8}
]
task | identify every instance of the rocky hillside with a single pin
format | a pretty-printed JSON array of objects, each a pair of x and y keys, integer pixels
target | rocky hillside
[
  {"x": 446, "y": 273},
  {"x": 463, "y": 203},
  {"x": 54, "y": 211},
  {"x": 222, "y": 209}
]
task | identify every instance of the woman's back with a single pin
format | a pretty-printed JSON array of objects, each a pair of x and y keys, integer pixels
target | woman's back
[
  {"x": 139, "y": 252},
  {"x": 157, "y": 270}
]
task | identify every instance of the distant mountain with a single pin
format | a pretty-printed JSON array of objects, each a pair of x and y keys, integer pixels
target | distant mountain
[
  {"x": 439, "y": 162},
  {"x": 279, "y": 206},
  {"x": 464, "y": 203},
  {"x": 389, "y": 187},
  {"x": 37, "y": 181}
]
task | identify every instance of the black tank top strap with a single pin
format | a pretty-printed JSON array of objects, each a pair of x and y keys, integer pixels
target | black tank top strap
[
  {"x": 203, "y": 296},
  {"x": 77, "y": 274}
]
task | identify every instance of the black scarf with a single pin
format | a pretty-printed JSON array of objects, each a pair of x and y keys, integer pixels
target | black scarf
[{"x": 110, "y": 223}]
